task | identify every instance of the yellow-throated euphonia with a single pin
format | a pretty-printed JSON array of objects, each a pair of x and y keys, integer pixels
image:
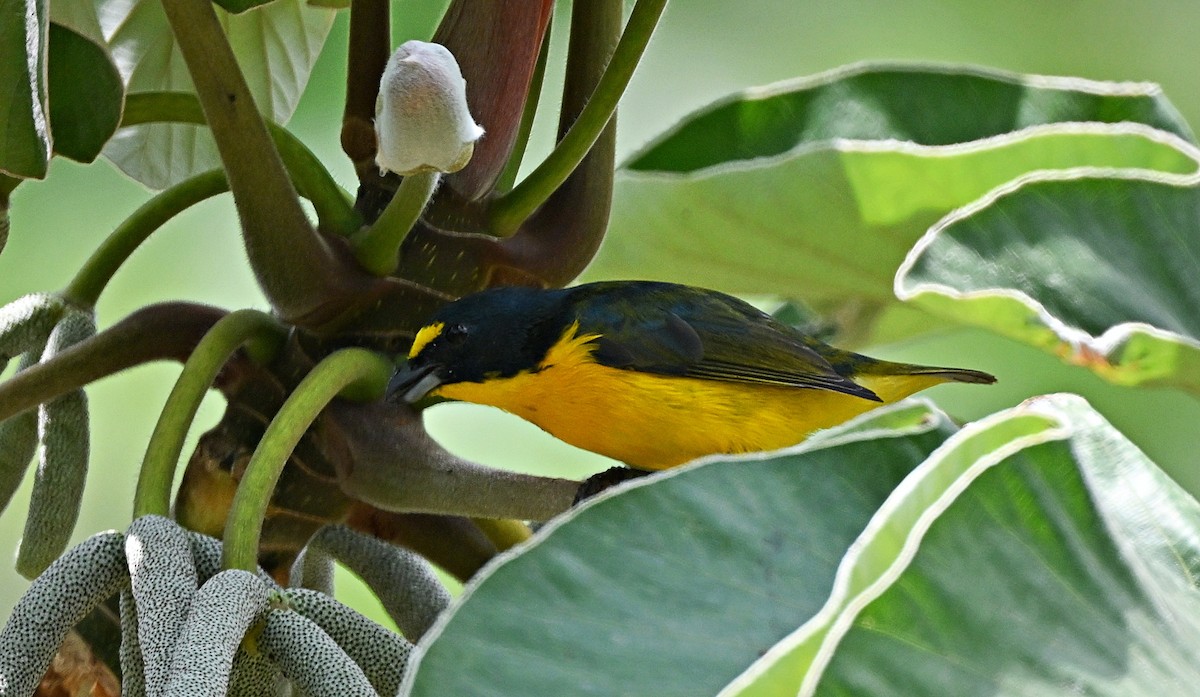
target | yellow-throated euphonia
[{"x": 651, "y": 374}]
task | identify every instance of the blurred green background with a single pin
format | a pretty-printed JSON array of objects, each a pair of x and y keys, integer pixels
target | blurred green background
[{"x": 704, "y": 49}]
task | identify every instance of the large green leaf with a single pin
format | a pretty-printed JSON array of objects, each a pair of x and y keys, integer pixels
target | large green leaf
[
  {"x": 674, "y": 586},
  {"x": 1038, "y": 552},
  {"x": 1102, "y": 269},
  {"x": 822, "y": 186},
  {"x": 25, "y": 140},
  {"x": 86, "y": 94},
  {"x": 276, "y": 45},
  {"x": 61, "y": 91}
]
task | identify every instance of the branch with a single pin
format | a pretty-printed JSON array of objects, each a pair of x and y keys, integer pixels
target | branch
[
  {"x": 333, "y": 205},
  {"x": 298, "y": 272},
  {"x": 84, "y": 290},
  {"x": 385, "y": 458},
  {"x": 263, "y": 337},
  {"x": 157, "y": 332}
]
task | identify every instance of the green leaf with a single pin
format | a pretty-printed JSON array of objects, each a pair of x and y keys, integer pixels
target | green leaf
[
  {"x": 675, "y": 585},
  {"x": 823, "y": 185},
  {"x": 24, "y": 127},
  {"x": 1061, "y": 561},
  {"x": 87, "y": 94},
  {"x": 1101, "y": 268},
  {"x": 276, "y": 46},
  {"x": 55, "y": 69}
]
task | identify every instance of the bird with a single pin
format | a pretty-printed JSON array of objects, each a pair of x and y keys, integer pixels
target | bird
[{"x": 649, "y": 373}]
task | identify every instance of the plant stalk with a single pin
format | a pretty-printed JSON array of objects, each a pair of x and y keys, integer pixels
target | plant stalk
[
  {"x": 263, "y": 337},
  {"x": 377, "y": 247},
  {"x": 333, "y": 204},
  {"x": 163, "y": 331},
  {"x": 84, "y": 290},
  {"x": 511, "y": 209},
  {"x": 352, "y": 373},
  {"x": 297, "y": 270}
]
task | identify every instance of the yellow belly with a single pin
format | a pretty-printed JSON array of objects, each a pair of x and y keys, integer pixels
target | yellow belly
[{"x": 652, "y": 421}]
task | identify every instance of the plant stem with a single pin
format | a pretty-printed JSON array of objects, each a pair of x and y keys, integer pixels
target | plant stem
[
  {"x": 377, "y": 247},
  {"x": 84, "y": 290},
  {"x": 299, "y": 273},
  {"x": 352, "y": 373},
  {"x": 509, "y": 175},
  {"x": 366, "y": 56},
  {"x": 333, "y": 204},
  {"x": 262, "y": 335},
  {"x": 511, "y": 209},
  {"x": 167, "y": 330}
]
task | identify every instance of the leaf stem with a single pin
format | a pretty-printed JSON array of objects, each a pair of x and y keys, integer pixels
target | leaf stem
[
  {"x": 352, "y": 373},
  {"x": 367, "y": 54},
  {"x": 509, "y": 175},
  {"x": 262, "y": 335},
  {"x": 84, "y": 290},
  {"x": 511, "y": 209},
  {"x": 156, "y": 332},
  {"x": 333, "y": 204},
  {"x": 377, "y": 247},
  {"x": 298, "y": 271}
]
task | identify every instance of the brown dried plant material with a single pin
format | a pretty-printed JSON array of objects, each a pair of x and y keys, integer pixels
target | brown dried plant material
[{"x": 76, "y": 672}]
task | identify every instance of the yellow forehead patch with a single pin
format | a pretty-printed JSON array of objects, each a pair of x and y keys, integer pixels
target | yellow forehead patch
[{"x": 423, "y": 337}]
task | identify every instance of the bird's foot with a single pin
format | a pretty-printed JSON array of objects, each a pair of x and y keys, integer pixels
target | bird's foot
[{"x": 603, "y": 480}]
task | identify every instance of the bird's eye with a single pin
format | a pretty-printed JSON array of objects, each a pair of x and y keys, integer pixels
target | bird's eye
[{"x": 455, "y": 333}]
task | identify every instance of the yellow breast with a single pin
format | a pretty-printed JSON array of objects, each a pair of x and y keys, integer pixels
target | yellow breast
[{"x": 654, "y": 421}]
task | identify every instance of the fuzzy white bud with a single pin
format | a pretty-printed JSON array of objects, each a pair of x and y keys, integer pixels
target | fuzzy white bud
[{"x": 421, "y": 116}]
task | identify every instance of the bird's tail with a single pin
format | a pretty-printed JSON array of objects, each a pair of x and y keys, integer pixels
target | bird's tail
[
  {"x": 977, "y": 377},
  {"x": 893, "y": 381}
]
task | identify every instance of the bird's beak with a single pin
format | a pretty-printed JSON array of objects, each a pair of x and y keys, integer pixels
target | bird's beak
[{"x": 410, "y": 385}]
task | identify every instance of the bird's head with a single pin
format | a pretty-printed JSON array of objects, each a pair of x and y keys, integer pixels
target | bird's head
[{"x": 492, "y": 334}]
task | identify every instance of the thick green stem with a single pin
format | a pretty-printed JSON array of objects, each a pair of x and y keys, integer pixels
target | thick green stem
[
  {"x": 377, "y": 248},
  {"x": 352, "y": 373},
  {"x": 304, "y": 279},
  {"x": 513, "y": 166},
  {"x": 333, "y": 204},
  {"x": 511, "y": 209},
  {"x": 98, "y": 270},
  {"x": 263, "y": 337}
]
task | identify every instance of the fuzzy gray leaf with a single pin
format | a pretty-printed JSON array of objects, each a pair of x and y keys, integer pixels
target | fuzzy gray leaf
[
  {"x": 62, "y": 470},
  {"x": 382, "y": 654},
  {"x": 405, "y": 583},
  {"x": 310, "y": 658},
  {"x": 71, "y": 587},
  {"x": 163, "y": 579},
  {"x": 222, "y": 610}
]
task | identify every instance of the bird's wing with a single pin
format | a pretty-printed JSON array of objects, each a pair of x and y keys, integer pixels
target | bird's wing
[{"x": 709, "y": 336}]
